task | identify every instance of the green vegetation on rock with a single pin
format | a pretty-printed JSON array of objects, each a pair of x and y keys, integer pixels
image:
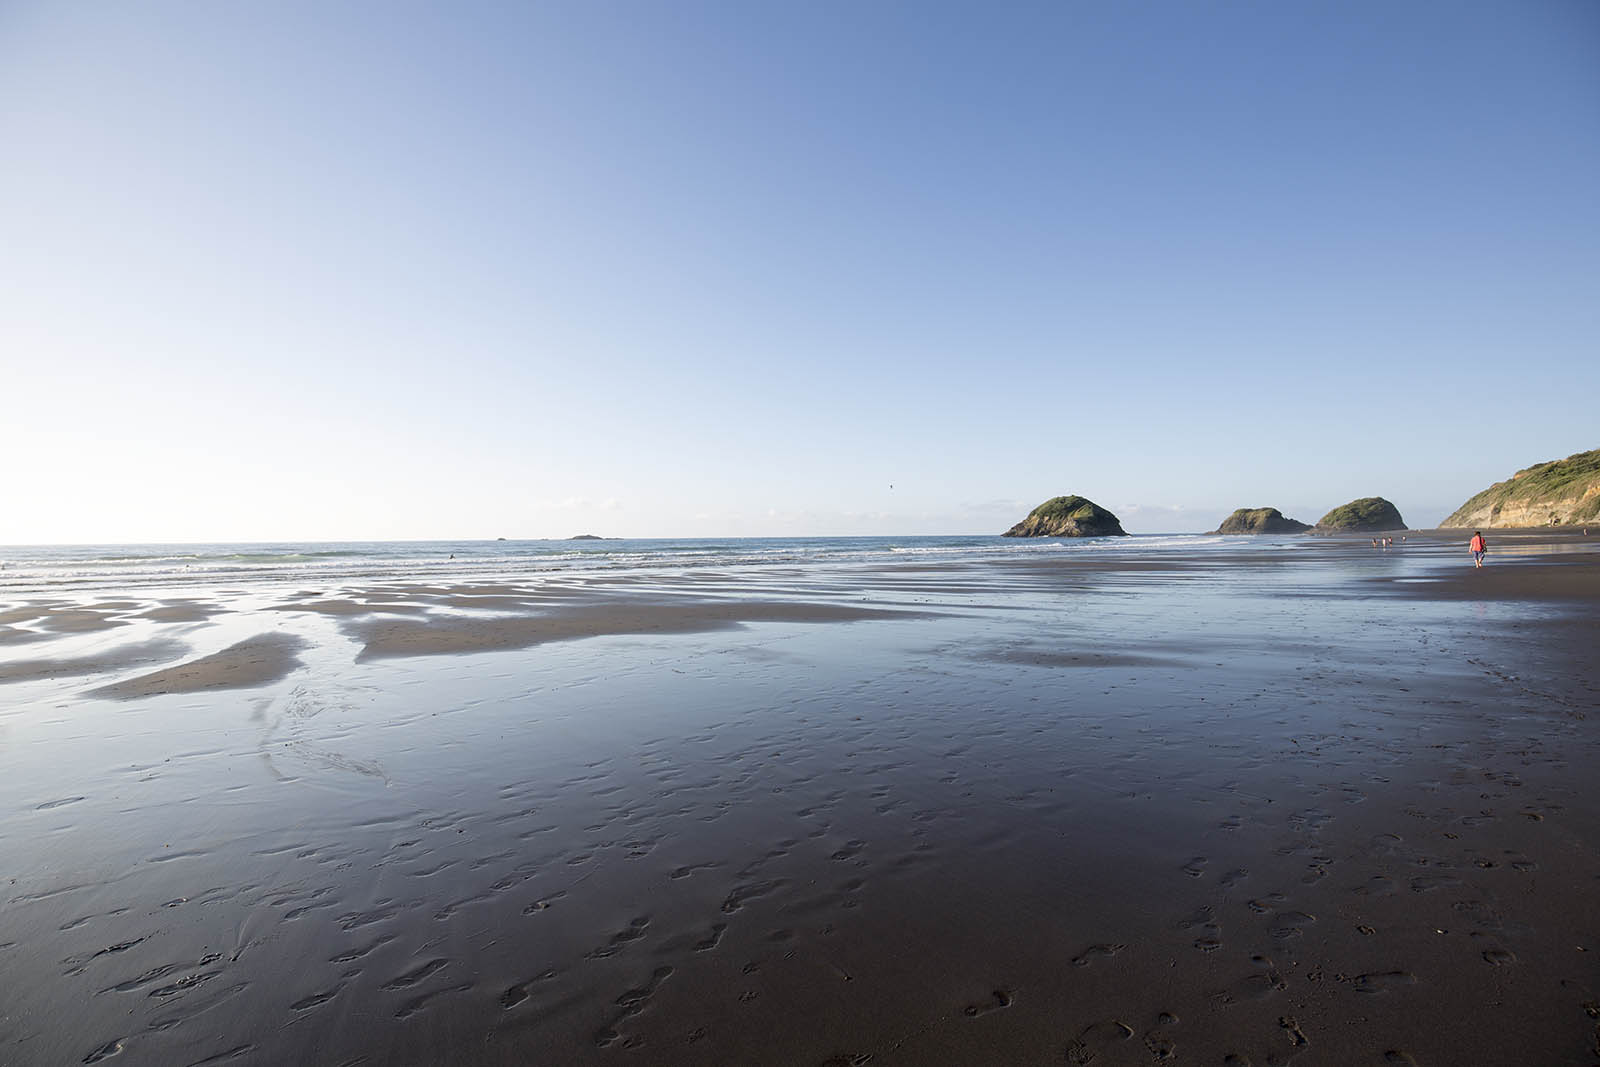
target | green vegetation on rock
[
  {"x": 1068, "y": 516},
  {"x": 1259, "y": 521},
  {"x": 1370, "y": 514},
  {"x": 1560, "y": 492}
]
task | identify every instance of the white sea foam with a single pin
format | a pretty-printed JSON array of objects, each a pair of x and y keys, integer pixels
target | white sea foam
[{"x": 40, "y": 569}]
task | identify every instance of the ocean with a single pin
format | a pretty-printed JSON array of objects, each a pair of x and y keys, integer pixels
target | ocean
[{"x": 41, "y": 568}]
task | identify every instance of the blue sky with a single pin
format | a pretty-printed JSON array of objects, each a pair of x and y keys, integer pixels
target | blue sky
[{"x": 394, "y": 270}]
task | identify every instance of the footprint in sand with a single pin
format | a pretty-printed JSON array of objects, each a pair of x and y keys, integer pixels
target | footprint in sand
[
  {"x": 1265, "y": 903},
  {"x": 1085, "y": 1048},
  {"x": 110, "y": 1048},
  {"x": 713, "y": 939},
  {"x": 1291, "y": 924},
  {"x": 631, "y": 1003},
  {"x": 356, "y": 953},
  {"x": 619, "y": 940},
  {"x": 1210, "y": 938},
  {"x": 1376, "y": 886},
  {"x": 689, "y": 869},
  {"x": 1478, "y": 914},
  {"x": 1160, "y": 1046},
  {"x": 850, "y": 850},
  {"x": 316, "y": 999},
  {"x": 1426, "y": 883},
  {"x": 1383, "y": 981},
  {"x": 1000, "y": 998},
  {"x": 1094, "y": 952},
  {"x": 521, "y": 991},
  {"x": 1095, "y": 1036},
  {"x": 416, "y": 975},
  {"x": 742, "y": 893},
  {"x": 1309, "y": 821},
  {"x": 544, "y": 903},
  {"x": 1385, "y": 844},
  {"x": 421, "y": 1002},
  {"x": 1253, "y": 987},
  {"x": 753, "y": 868}
]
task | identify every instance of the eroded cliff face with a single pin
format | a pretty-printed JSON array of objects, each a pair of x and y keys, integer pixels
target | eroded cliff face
[
  {"x": 1564, "y": 492},
  {"x": 1068, "y": 516}
]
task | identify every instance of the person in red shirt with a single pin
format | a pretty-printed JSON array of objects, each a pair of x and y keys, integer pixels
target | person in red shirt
[{"x": 1479, "y": 547}]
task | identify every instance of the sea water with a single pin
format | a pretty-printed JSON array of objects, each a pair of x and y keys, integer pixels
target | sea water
[{"x": 42, "y": 568}]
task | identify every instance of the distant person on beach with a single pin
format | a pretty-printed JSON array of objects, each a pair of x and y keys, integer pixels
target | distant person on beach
[{"x": 1479, "y": 546}]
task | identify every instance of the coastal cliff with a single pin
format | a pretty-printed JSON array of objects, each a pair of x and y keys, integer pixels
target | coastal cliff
[
  {"x": 1068, "y": 516},
  {"x": 1370, "y": 514},
  {"x": 1260, "y": 521},
  {"x": 1562, "y": 492}
]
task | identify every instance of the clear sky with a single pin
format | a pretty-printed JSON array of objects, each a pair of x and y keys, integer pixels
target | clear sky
[{"x": 391, "y": 270}]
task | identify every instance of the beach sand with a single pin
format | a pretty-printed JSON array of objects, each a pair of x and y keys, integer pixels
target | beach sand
[{"x": 1296, "y": 801}]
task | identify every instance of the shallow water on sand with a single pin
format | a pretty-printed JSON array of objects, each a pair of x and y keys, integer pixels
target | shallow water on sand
[{"x": 1185, "y": 809}]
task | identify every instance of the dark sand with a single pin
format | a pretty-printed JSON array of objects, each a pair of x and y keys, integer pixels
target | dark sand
[
  {"x": 252, "y": 662},
  {"x": 456, "y": 634},
  {"x": 129, "y": 654},
  {"x": 1319, "y": 804}
]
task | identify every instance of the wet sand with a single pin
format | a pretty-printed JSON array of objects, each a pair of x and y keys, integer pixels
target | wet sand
[
  {"x": 1302, "y": 801},
  {"x": 253, "y": 662},
  {"x": 456, "y": 634}
]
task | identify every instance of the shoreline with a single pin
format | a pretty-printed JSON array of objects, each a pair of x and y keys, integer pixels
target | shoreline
[{"x": 400, "y": 618}]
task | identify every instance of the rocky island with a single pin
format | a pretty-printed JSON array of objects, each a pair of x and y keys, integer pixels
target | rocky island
[
  {"x": 589, "y": 537},
  {"x": 1260, "y": 521},
  {"x": 1068, "y": 516},
  {"x": 1562, "y": 492},
  {"x": 1370, "y": 514}
]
